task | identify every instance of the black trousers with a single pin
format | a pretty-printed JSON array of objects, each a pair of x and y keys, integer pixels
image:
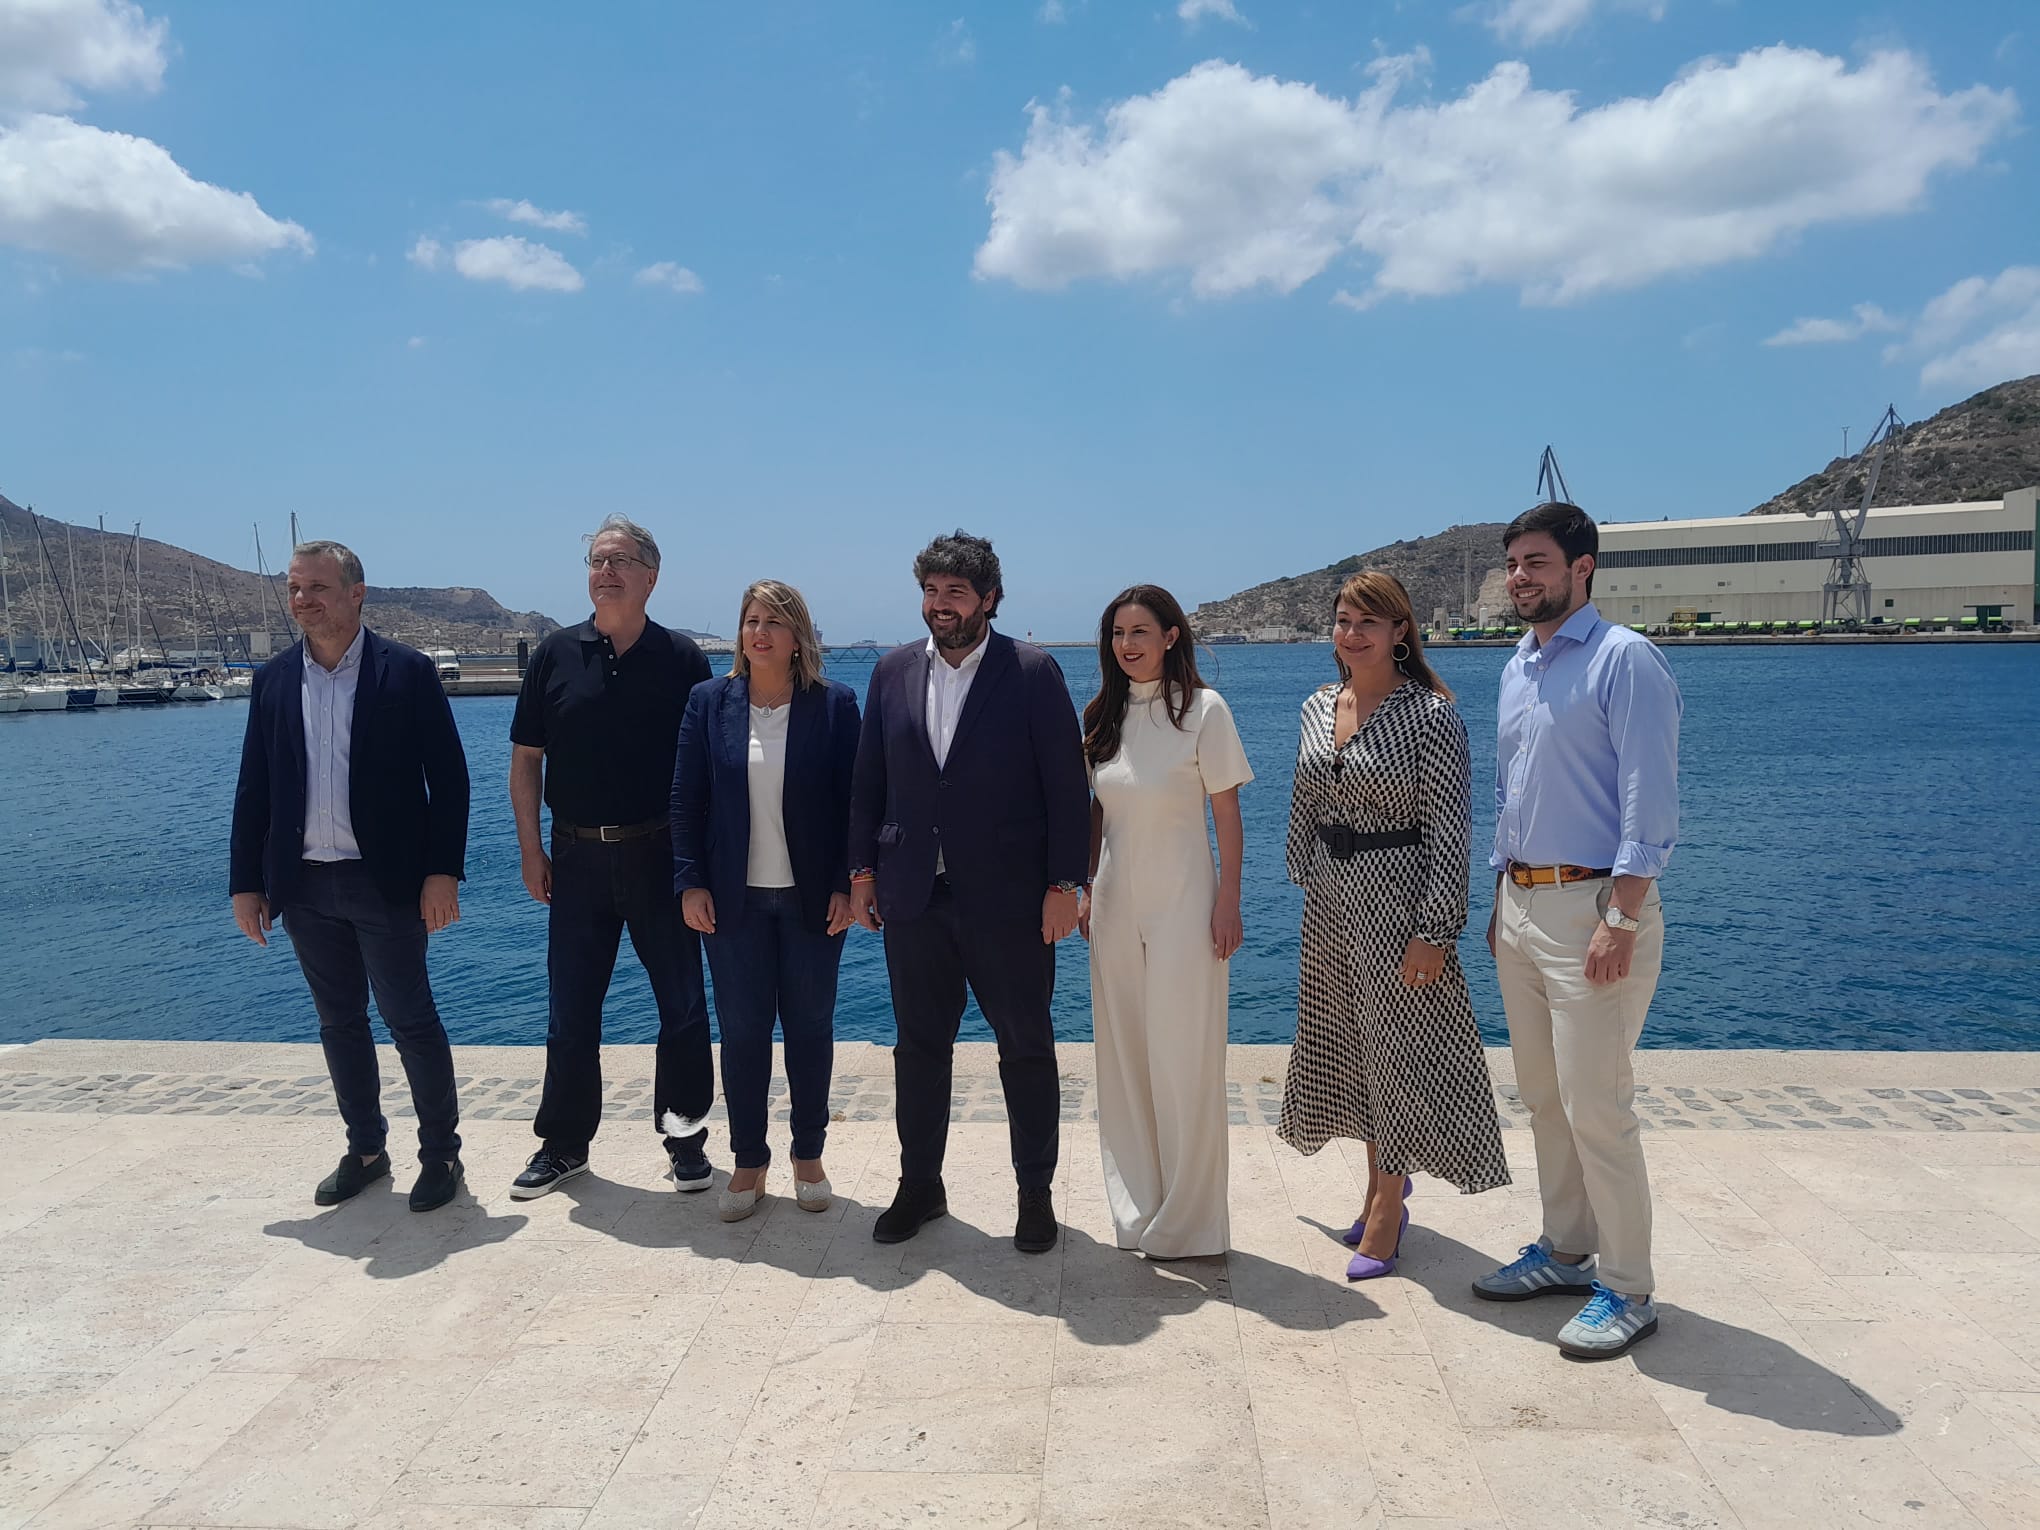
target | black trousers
[
  {"x": 351, "y": 941},
  {"x": 599, "y": 891},
  {"x": 1011, "y": 971}
]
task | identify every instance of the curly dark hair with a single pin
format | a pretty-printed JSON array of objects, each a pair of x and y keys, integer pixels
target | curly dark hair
[{"x": 963, "y": 556}]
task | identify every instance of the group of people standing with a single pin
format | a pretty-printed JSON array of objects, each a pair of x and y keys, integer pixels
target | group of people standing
[{"x": 967, "y": 814}]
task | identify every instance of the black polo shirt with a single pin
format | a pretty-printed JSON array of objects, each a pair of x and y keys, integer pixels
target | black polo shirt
[{"x": 609, "y": 723}]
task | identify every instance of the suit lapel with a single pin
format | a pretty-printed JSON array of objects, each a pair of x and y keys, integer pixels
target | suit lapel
[
  {"x": 800, "y": 727},
  {"x": 735, "y": 721},
  {"x": 366, "y": 684},
  {"x": 917, "y": 701},
  {"x": 293, "y": 701},
  {"x": 999, "y": 658}
]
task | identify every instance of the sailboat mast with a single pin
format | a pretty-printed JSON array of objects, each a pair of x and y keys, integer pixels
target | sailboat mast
[
  {"x": 138, "y": 592},
  {"x": 6, "y": 599}
]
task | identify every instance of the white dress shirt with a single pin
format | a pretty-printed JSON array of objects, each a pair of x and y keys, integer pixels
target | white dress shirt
[
  {"x": 328, "y": 696},
  {"x": 948, "y": 687},
  {"x": 770, "y": 863}
]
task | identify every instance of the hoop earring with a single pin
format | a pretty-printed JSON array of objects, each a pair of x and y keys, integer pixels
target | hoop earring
[{"x": 1401, "y": 651}]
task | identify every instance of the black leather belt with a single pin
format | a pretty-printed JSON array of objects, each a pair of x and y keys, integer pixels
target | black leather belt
[
  {"x": 610, "y": 833},
  {"x": 1345, "y": 842}
]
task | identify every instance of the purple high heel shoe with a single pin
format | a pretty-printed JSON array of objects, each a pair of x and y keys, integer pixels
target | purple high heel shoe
[
  {"x": 1351, "y": 1236},
  {"x": 1367, "y": 1267}
]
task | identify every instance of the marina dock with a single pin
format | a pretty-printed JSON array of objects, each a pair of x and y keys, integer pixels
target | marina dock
[{"x": 1846, "y": 1246}]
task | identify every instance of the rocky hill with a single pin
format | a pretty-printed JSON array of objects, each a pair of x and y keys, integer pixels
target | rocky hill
[
  {"x": 182, "y": 592},
  {"x": 1435, "y": 570},
  {"x": 1981, "y": 448}
]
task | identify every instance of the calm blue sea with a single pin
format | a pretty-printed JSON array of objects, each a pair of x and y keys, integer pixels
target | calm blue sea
[{"x": 1861, "y": 831}]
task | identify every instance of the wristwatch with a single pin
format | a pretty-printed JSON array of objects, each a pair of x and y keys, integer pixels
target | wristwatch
[
  {"x": 1617, "y": 920},
  {"x": 1066, "y": 887}
]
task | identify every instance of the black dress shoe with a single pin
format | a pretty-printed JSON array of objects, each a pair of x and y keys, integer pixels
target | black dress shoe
[
  {"x": 1035, "y": 1232},
  {"x": 919, "y": 1202},
  {"x": 437, "y": 1184},
  {"x": 351, "y": 1178}
]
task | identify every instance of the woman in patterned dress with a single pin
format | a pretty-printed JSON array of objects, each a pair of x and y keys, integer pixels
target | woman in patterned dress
[{"x": 1387, "y": 1050}]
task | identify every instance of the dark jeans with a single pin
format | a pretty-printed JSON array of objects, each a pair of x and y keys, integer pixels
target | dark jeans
[
  {"x": 598, "y": 891},
  {"x": 1012, "y": 972},
  {"x": 767, "y": 964},
  {"x": 350, "y": 941}
]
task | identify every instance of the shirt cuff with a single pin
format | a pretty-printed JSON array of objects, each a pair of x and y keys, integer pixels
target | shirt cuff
[{"x": 1640, "y": 860}]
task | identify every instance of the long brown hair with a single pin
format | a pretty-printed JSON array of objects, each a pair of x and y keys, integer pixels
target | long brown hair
[
  {"x": 1381, "y": 594},
  {"x": 1105, "y": 713},
  {"x": 784, "y": 602}
]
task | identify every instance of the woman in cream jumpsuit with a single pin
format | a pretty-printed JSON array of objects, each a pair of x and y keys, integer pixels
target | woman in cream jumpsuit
[{"x": 1162, "y": 924}]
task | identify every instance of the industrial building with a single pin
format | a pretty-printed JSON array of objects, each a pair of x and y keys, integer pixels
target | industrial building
[{"x": 1925, "y": 563}]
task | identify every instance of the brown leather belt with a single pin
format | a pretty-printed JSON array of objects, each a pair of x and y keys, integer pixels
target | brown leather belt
[
  {"x": 610, "y": 833},
  {"x": 1554, "y": 876}
]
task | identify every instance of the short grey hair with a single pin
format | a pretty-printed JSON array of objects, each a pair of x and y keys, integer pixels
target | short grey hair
[
  {"x": 339, "y": 552},
  {"x": 648, "y": 550}
]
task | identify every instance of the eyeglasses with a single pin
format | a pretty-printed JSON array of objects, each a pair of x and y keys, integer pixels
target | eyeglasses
[{"x": 618, "y": 561}]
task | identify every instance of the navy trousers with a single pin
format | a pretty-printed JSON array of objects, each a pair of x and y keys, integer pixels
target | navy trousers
[
  {"x": 1011, "y": 971},
  {"x": 599, "y": 891},
  {"x": 767, "y": 965},
  {"x": 350, "y": 942}
]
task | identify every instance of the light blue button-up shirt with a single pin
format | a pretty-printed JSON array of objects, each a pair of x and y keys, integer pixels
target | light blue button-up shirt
[
  {"x": 1587, "y": 756},
  {"x": 329, "y": 748}
]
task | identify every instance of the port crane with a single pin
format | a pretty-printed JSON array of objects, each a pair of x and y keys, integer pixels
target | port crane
[{"x": 1845, "y": 597}]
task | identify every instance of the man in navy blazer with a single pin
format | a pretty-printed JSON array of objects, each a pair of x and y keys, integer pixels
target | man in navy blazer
[
  {"x": 350, "y": 825},
  {"x": 969, "y": 839}
]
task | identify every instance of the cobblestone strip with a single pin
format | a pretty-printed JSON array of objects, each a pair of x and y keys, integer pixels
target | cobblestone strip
[{"x": 977, "y": 1098}]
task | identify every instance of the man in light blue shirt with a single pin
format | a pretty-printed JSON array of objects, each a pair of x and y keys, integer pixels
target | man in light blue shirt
[{"x": 1586, "y": 815}]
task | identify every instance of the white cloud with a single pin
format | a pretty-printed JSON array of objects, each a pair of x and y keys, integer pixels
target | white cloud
[
  {"x": 674, "y": 278},
  {"x": 1530, "y": 22},
  {"x": 120, "y": 203},
  {"x": 49, "y": 49},
  {"x": 515, "y": 262},
  {"x": 521, "y": 211},
  {"x": 957, "y": 45},
  {"x": 108, "y": 200},
  {"x": 1053, "y": 13},
  {"x": 1867, "y": 319},
  {"x": 1982, "y": 330},
  {"x": 1194, "y": 11},
  {"x": 1246, "y": 181}
]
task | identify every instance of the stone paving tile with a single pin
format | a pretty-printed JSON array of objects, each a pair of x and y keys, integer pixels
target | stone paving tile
[
  {"x": 1670, "y": 1109},
  {"x": 1847, "y": 1340}
]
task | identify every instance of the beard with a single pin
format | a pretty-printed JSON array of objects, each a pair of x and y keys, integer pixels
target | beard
[
  {"x": 965, "y": 635},
  {"x": 1553, "y": 605}
]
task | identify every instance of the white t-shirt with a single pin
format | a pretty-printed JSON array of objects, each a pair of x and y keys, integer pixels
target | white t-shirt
[{"x": 770, "y": 865}]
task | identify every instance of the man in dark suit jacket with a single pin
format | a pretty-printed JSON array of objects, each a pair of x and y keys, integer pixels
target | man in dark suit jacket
[
  {"x": 350, "y": 824},
  {"x": 969, "y": 839}
]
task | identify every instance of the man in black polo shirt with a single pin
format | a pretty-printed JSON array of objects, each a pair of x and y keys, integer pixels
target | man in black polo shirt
[{"x": 597, "y": 723}]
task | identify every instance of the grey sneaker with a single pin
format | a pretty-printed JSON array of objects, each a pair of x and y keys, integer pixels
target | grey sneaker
[
  {"x": 1608, "y": 1325},
  {"x": 1536, "y": 1273}
]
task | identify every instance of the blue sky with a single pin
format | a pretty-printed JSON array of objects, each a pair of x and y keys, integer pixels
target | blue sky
[{"x": 1203, "y": 291}]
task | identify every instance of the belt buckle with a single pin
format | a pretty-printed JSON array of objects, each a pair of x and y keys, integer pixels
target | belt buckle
[{"x": 610, "y": 833}]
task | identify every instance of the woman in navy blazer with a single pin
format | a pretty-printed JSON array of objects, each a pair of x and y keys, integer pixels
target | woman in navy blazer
[{"x": 761, "y": 824}]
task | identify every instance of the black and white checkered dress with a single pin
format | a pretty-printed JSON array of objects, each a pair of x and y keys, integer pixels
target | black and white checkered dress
[{"x": 1376, "y": 1059}]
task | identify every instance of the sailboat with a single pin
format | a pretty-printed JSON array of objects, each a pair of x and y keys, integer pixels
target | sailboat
[{"x": 11, "y": 695}]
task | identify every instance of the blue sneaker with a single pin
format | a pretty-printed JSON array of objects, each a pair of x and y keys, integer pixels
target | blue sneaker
[
  {"x": 1536, "y": 1273},
  {"x": 1608, "y": 1325},
  {"x": 691, "y": 1171}
]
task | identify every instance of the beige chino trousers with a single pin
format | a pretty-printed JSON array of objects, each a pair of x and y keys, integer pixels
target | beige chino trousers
[{"x": 1572, "y": 1043}]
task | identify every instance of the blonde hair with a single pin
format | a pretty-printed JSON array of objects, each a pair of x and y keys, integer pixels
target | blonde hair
[
  {"x": 1381, "y": 594},
  {"x": 784, "y": 602}
]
